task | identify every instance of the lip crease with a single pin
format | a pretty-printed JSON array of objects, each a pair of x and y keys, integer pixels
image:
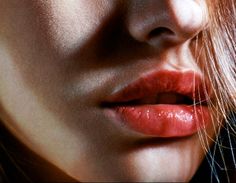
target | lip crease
[{"x": 162, "y": 104}]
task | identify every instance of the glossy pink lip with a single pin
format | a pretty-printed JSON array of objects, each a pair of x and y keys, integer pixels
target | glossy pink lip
[{"x": 156, "y": 104}]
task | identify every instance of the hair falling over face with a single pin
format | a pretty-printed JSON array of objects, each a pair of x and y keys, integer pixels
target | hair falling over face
[
  {"x": 217, "y": 45},
  {"x": 215, "y": 51}
]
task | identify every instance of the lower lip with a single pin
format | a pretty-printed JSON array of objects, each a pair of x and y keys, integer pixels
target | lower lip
[{"x": 163, "y": 120}]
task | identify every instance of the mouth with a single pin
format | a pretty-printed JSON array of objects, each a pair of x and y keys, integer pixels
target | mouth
[
  {"x": 161, "y": 104},
  {"x": 160, "y": 98}
]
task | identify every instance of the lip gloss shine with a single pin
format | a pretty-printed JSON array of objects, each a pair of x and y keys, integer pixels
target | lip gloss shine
[{"x": 161, "y": 119}]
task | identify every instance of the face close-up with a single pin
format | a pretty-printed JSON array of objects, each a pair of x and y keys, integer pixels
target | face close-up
[{"x": 104, "y": 90}]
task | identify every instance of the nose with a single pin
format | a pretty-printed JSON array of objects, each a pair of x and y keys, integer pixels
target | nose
[{"x": 165, "y": 21}]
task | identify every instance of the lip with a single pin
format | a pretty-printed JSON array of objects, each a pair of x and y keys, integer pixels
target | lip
[{"x": 156, "y": 104}]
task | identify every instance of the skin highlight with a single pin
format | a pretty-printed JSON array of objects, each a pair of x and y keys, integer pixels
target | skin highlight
[{"x": 61, "y": 59}]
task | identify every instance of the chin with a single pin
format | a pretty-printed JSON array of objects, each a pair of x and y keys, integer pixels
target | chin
[
  {"x": 161, "y": 165},
  {"x": 176, "y": 160}
]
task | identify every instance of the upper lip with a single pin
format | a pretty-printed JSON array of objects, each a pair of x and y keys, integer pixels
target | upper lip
[{"x": 187, "y": 85}]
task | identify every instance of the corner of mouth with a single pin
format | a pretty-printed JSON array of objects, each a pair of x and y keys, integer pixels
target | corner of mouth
[
  {"x": 164, "y": 104},
  {"x": 168, "y": 98}
]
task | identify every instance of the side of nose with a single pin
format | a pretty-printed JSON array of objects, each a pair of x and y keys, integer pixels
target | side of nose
[{"x": 160, "y": 21}]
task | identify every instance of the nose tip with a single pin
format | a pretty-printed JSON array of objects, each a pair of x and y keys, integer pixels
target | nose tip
[{"x": 159, "y": 21}]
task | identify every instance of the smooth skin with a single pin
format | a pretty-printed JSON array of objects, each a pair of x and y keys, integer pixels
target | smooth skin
[{"x": 60, "y": 59}]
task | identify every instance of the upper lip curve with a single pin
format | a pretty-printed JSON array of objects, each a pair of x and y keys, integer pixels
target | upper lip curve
[{"x": 186, "y": 83}]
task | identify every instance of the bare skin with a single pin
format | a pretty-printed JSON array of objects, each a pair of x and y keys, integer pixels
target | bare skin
[{"x": 61, "y": 58}]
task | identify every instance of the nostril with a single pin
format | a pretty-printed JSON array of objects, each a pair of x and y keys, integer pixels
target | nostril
[{"x": 160, "y": 31}]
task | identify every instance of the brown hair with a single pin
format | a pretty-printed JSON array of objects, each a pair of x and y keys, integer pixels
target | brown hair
[{"x": 217, "y": 45}]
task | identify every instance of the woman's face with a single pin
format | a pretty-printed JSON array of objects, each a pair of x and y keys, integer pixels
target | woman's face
[{"x": 63, "y": 63}]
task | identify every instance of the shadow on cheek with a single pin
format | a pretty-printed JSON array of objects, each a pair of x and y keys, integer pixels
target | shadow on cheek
[{"x": 20, "y": 164}]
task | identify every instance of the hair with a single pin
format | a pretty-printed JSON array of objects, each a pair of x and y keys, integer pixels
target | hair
[{"x": 217, "y": 47}]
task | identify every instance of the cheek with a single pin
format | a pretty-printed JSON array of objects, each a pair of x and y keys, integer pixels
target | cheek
[
  {"x": 35, "y": 109},
  {"x": 48, "y": 94},
  {"x": 47, "y": 47},
  {"x": 44, "y": 91},
  {"x": 61, "y": 27}
]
